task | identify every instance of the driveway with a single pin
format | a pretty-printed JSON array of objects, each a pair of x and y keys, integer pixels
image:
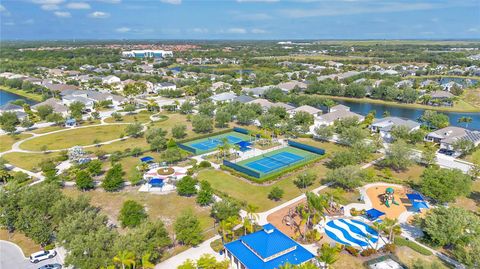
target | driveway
[{"x": 11, "y": 256}]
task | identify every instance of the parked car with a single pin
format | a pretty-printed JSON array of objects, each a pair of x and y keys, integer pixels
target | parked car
[
  {"x": 42, "y": 255},
  {"x": 51, "y": 266}
]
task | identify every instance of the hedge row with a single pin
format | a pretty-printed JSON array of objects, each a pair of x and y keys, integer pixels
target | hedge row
[{"x": 411, "y": 244}]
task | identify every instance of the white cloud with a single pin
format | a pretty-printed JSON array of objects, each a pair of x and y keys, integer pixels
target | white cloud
[
  {"x": 236, "y": 31},
  {"x": 4, "y": 10},
  {"x": 258, "y": 31},
  {"x": 473, "y": 30},
  {"x": 252, "y": 16},
  {"x": 110, "y": 1},
  {"x": 123, "y": 30},
  {"x": 99, "y": 15},
  {"x": 200, "y": 30},
  {"x": 78, "y": 5},
  {"x": 29, "y": 21},
  {"x": 172, "y": 2},
  {"x": 62, "y": 14},
  {"x": 9, "y": 23},
  {"x": 49, "y": 7}
]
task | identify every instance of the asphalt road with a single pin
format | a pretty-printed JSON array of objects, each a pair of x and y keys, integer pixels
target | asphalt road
[{"x": 11, "y": 257}]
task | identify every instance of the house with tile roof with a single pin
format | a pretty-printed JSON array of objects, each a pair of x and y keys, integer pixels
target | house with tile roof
[
  {"x": 268, "y": 248},
  {"x": 447, "y": 136}
]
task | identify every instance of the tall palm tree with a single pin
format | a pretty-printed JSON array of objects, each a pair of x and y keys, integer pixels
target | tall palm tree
[
  {"x": 465, "y": 120},
  {"x": 125, "y": 258},
  {"x": 328, "y": 255},
  {"x": 391, "y": 226},
  {"x": 251, "y": 212}
]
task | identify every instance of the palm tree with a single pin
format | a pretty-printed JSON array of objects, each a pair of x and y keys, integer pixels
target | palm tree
[
  {"x": 391, "y": 225},
  {"x": 465, "y": 120},
  {"x": 226, "y": 227},
  {"x": 146, "y": 264},
  {"x": 251, "y": 212},
  {"x": 125, "y": 258},
  {"x": 328, "y": 255}
]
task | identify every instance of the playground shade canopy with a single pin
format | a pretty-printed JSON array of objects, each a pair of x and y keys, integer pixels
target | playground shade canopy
[
  {"x": 415, "y": 197},
  {"x": 156, "y": 182},
  {"x": 147, "y": 159},
  {"x": 373, "y": 214},
  {"x": 419, "y": 205}
]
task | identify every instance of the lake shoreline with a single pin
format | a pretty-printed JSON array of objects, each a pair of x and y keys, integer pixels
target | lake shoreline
[
  {"x": 26, "y": 95},
  {"x": 395, "y": 104}
]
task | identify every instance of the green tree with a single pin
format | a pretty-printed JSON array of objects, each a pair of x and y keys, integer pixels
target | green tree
[
  {"x": 304, "y": 180},
  {"x": 125, "y": 259},
  {"x": 205, "y": 195},
  {"x": 179, "y": 131},
  {"x": 57, "y": 118},
  {"x": 132, "y": 214},
  {"x": 352, "y": 135},
  {"x": 114, "y": 178},
  {"x": 398, "y": 156},
  {"x": 9, "y": 122},
  {"x": 76, "y": 109},
  {"x": 348, "y": 177},
  {"x": 172, "y": 155},
  {"x": 435, "y": 120},
  {"x": 94, "y": 167},
  {"x": 444, "y": 185},
  {"x": 328, "y": 255},
  {"x": 134, "y": 129},
  {"x": 222, "y": 118},
  {"x": 275, "y": 194},
  {"x": 202, "y": 123},
  {"x": 465, "y": 120},
  {"x": 44, "y": 111},
  {"x": 224, "y": 209},
  {"x": 464, "y": 146},
  {"x": 324, "y": 132},
  {"x": 186, "y": 186},
  {"x": 84, "y": 181},
  {"x": 187, "y": 229}
]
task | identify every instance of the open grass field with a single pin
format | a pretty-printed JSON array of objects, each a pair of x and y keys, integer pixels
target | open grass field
[
  {"x": 410, "y": 257},
  {"x": 472, "y": 96},
  {"x": 26, "y": 244},
  {"x": 28, "y": 161},
  {"x": 6, "y": 141},
  {"x": 472, "y": 201},
  {"x": 74, "y": 137},
  {"x": 142, "y": 116},
  {"x": 48, "y": 129},
  {"x": 163, "y": 207},
  {"x": 412, "y": 174},
  {"x": 243, "y": 190}
]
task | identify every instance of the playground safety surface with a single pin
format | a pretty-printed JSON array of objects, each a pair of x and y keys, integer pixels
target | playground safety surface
[{"x": 394, "y": 211}]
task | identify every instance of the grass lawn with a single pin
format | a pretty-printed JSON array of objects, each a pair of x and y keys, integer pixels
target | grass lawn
[
  {"x": 6, "y": 141},
  {"x": 410, "y": 257},
  {"x": 127, "y": 143},
  {"x": 474, "y": 157},
  {"x": 28, "y": 161},
  {"x": 143, "y": 117},
  {"x": 178, "y": 119},
  {"x": 412, "y": 174},
  {"x": 26, "y": 244},
  {"x": 73, "y": 137},
  {"x": 163, "y": 207},
  {"x": 472, "y": 96},
  {"x": 48, "y": 129},
  {"x": 243, "y": 190},
  {"x": 128, "y": 163},
  {"x": 329, "y": 147},
  {"x": 346, "y": 260},
  {"x": 472, "y": 201}
]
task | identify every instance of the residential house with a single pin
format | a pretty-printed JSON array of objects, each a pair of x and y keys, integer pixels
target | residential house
[
  {"x": 109, "y": 80},
  {"x": 164, "y": 86},
  {"x": 385, "y": 125},
  {"x": 308, "y": 109},
  {"x": 243, "y": 99},
  {"x": 265, "y": 104},
  {"x": 69, "y": 99},
  {"x": 221, "y": 85},
  {"x": 223, "y": 97},
  {"x": 441, "y": 97},
  {"x": 291, "y": 85},
  {"x": 449, "y": 85},
  {"x": 404, "y": 84},
  {"x": 336, "y": 113},
  {"x": 56, "y": 105},
  {"x": 447, "y": 136},
  {"x": 258, "y": 91},
  {"x": 268, "y": 248},
  {"x": 18, "y": 110},
  {"x": 59, "y": 87}
]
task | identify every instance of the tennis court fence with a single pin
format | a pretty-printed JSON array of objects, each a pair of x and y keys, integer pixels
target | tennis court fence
[
  {"x": 242, "y": 169},
  {"x": 306, "y": 147},
  {"x": 187, "y": 148}
]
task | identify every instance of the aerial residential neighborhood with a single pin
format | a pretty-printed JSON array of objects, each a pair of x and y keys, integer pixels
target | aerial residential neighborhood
[{"x": 239, "y": 134}]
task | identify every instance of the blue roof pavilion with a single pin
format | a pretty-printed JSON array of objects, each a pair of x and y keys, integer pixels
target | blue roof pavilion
[{"x": 266, "y": 249}]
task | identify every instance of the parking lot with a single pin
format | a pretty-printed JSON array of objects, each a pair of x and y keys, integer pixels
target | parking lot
[{"x": 11, "y": 256}]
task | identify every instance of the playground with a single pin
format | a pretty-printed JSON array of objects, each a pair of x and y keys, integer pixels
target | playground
[{"x": 390, "y": 200}]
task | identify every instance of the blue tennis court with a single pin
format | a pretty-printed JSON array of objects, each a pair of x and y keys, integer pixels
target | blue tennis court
[
  {"x": 212, "y": 143},
  {"x": 274, "y": 162}
]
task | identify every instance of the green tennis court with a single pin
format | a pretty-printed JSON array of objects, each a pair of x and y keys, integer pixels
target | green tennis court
[{"x": 208, "y": 144}]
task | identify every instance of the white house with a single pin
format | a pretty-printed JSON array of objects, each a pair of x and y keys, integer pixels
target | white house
[
  {"x": 385, "y": 125},
  {"x": 164, "y": 86},
  {"x": 110, "y": 80},
  {"x": 223, "y": 97},
  {"x": 308, "y": 109},
  {"x": 447, "y": 136},
  {"x": 336, "y": 113}
]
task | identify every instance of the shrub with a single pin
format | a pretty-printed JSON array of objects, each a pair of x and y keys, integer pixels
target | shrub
[
  {"x": 275, "y": 194},
  {"x": 389, "y": 248},
  {"x": 411, "y": 244},
  {"x": 204, "y": 164},
  {"x": 217, "y": 245},
  {"x": 368, "y": 252},
  {"x": 131, "y": 214},
  {"x": 354, "y": 212},
  {"x": 353, "y": 251}
]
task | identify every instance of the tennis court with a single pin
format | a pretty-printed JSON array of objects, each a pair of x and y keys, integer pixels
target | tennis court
[
  {"x": 274, "y": 162},
  {"x": 208, "y": 144}
]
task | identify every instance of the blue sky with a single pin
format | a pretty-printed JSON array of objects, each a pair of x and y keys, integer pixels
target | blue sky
[{"x": 239, "y": 19}]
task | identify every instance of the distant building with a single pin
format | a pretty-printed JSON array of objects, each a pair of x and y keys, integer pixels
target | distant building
[
  {"x": 55, "y": 104},
  {"x": 308, "y": 109},
  {"x": 266, "y": 249},
  {"x": 223, "y": 97},
  {"x": 164, "y": 86},
  {"x": 337, "y": 112},
  {"x": 110, "y": 80},
  {"x": 147, "y": 54}
]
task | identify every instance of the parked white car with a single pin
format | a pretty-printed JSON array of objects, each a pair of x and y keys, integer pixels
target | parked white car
[{"x": 42, "y": 255}]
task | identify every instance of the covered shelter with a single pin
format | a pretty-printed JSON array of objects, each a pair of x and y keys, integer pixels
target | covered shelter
[
  {"x": 244, "y": 145},
  {"x": 147, "y": 159},
  {"x": 156, "y": 182},
  {"x": 373, "y": 214},
  {"x": 418, "y": 202}
]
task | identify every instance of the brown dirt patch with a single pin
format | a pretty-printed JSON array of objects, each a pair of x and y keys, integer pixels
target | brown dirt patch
[
  {"x": 276, "y": 218},
  {"x": 394, "y": 211}
]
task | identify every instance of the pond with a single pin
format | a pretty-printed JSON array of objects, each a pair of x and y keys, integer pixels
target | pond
[
  {"x": 410, "y": 113},
  {"x": 6, "y": 97}
]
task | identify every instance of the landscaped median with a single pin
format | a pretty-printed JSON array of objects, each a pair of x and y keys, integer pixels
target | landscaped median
[{"x": 74, "y": 137}]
